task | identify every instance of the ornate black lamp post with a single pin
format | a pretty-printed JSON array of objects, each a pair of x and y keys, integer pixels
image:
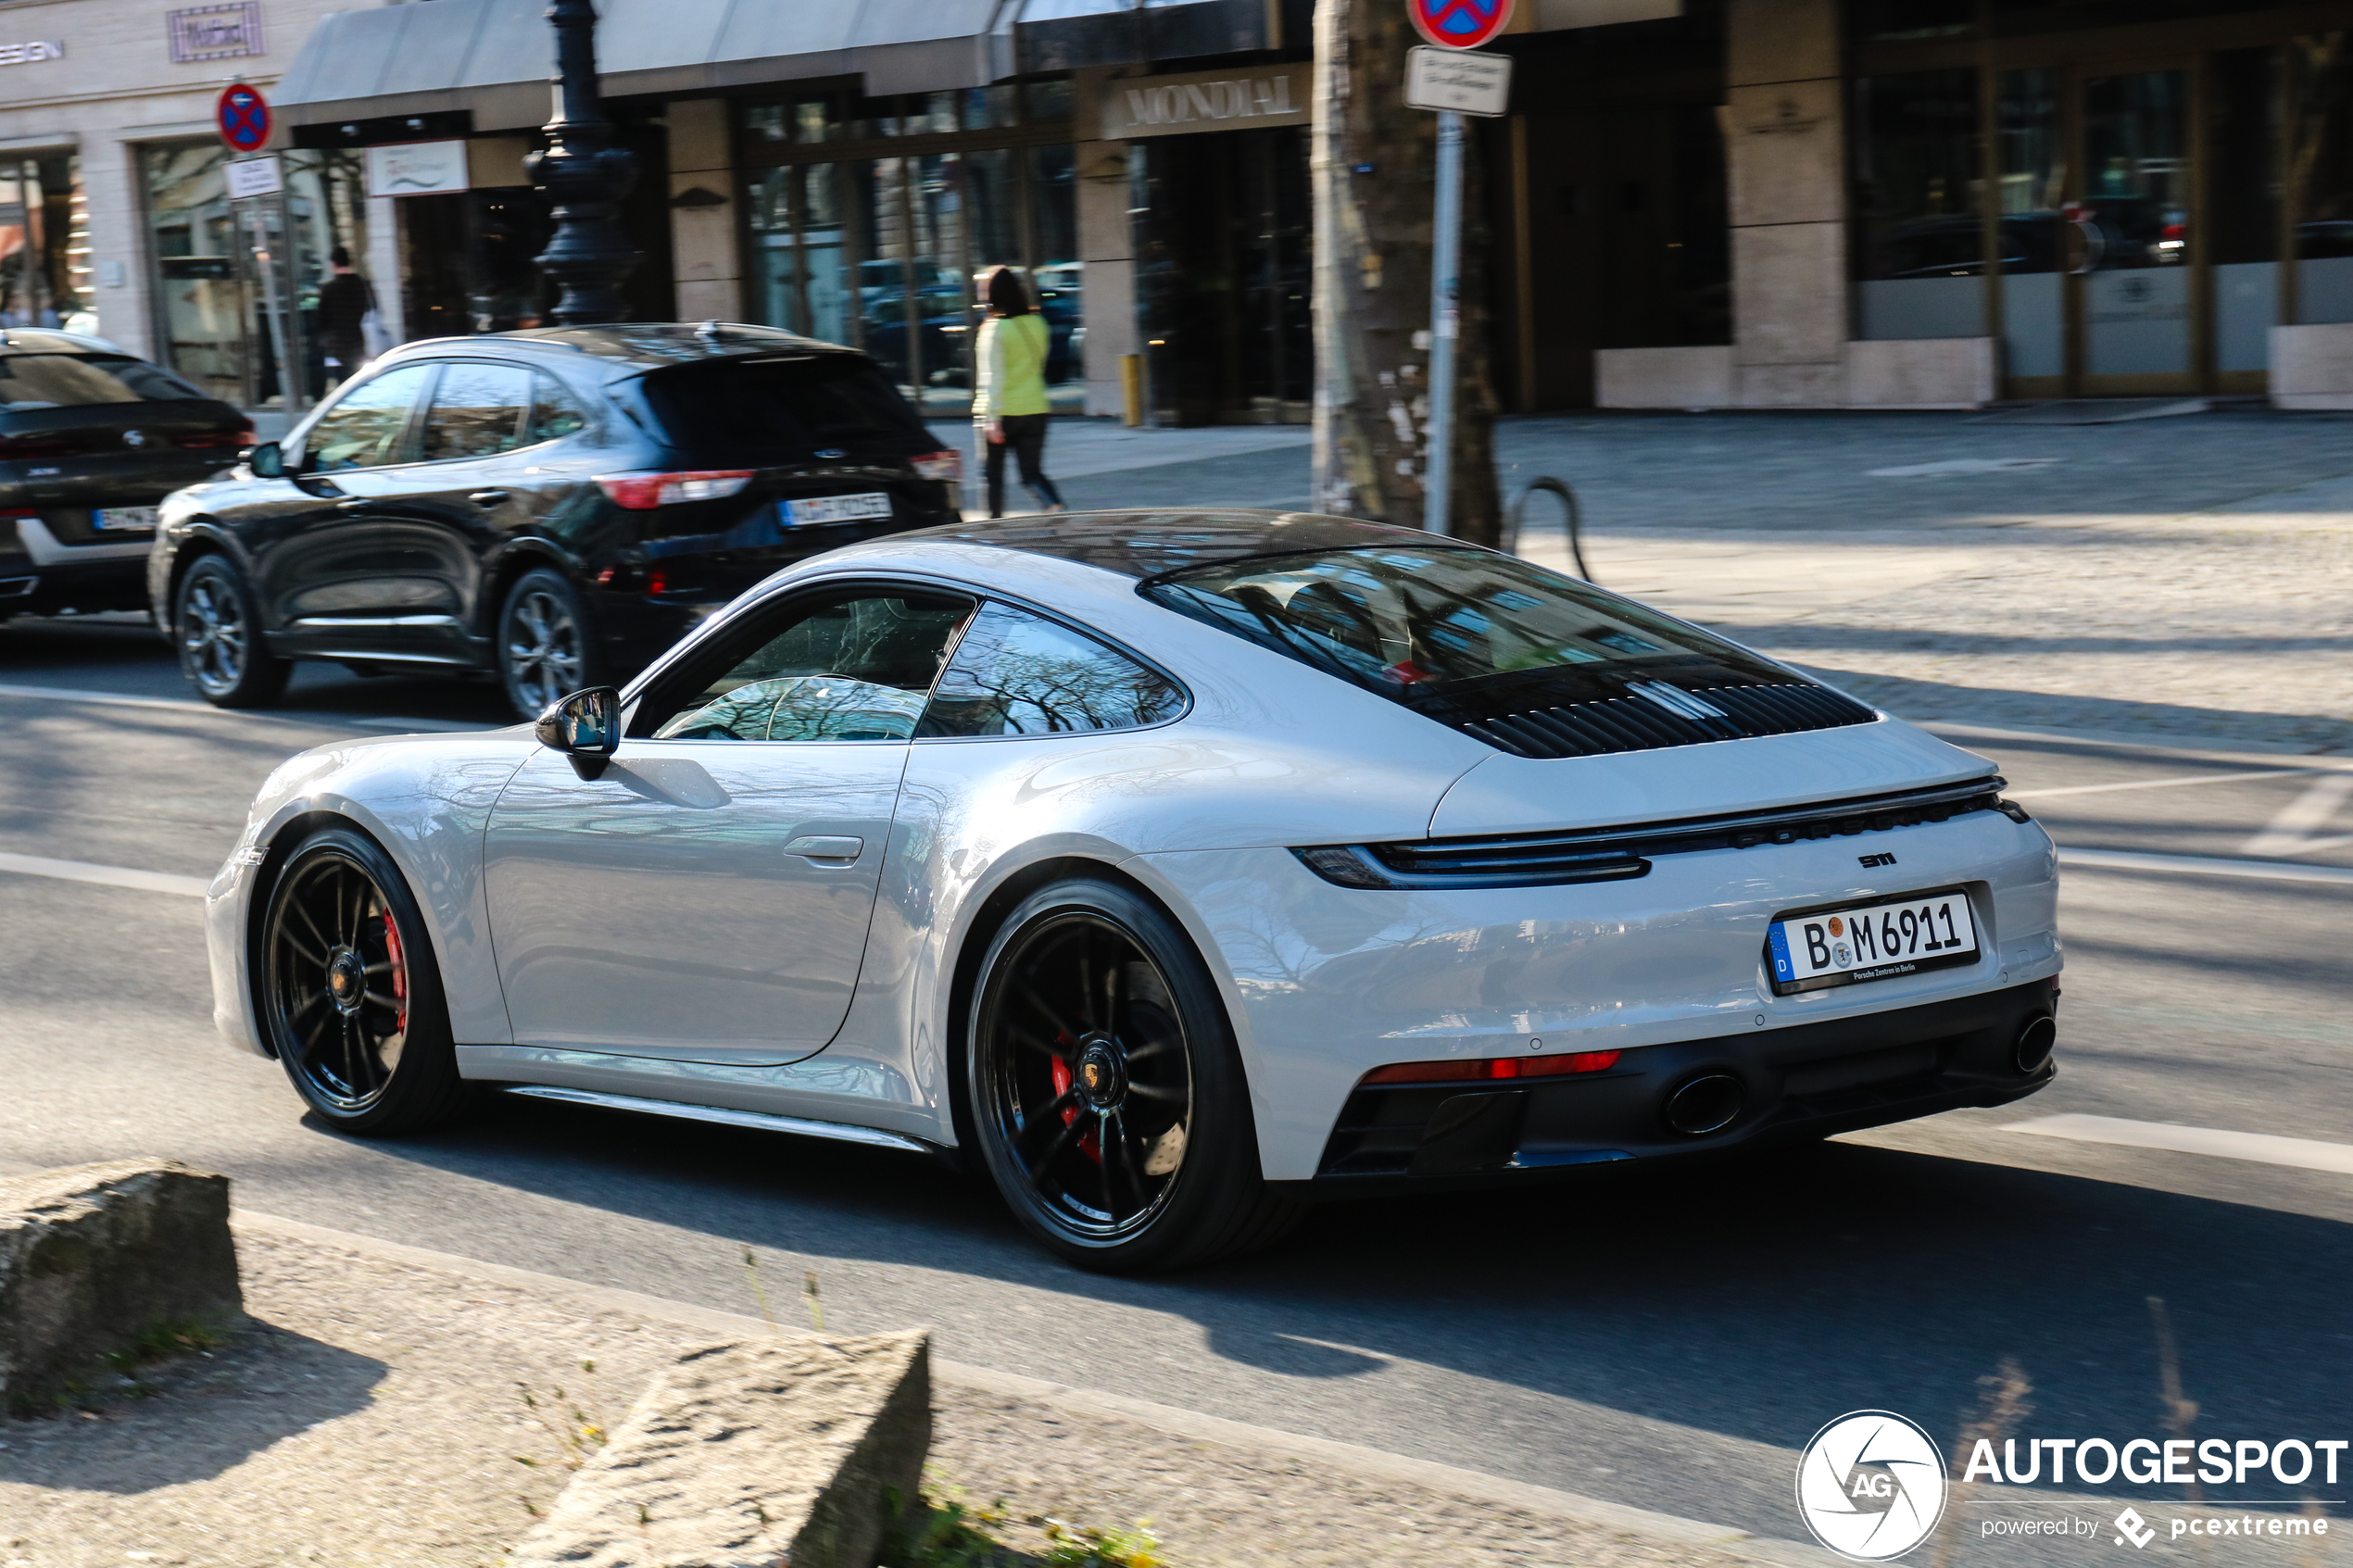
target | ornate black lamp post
[{"x": 584, "y": 176}]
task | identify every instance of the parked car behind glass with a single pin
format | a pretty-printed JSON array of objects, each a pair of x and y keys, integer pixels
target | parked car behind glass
[
  {"x": 552, "y": 507},
  {"x": 90, "y": 439}
]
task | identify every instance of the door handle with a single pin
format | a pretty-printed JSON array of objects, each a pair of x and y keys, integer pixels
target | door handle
[
  {"x": 842, "y": 851},
  {"x": 356, "y": 504},
  {"x": 487, "y": 497}
]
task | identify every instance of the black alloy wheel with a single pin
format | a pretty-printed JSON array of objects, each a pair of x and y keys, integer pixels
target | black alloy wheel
[
  {"x": 1105, "y": 1091},
  {"x": 219, "y": 637},
  {"x": 350, "y": 998},
  {"x": 543, "y": 642}
]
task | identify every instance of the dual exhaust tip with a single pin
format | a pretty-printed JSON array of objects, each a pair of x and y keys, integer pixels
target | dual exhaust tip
[{"x": 1713, "y": 1101}]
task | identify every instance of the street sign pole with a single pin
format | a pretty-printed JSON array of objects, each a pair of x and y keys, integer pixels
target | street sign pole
[
  {"x": 1450, "y": 77},
  {"x": 1446, "y": 320}
]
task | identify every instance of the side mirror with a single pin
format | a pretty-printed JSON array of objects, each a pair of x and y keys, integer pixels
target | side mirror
[
  {"x": 266, "y": 461},
  {"x": 585, "y": 727}
]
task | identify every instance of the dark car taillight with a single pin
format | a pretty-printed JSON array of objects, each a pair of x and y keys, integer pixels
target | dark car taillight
[
  {"x": 644, "y": 492},
  {"x": 215, "y": 440},
  {"x": 16, "y": 446},
  {"x": 947, "y": 464}
]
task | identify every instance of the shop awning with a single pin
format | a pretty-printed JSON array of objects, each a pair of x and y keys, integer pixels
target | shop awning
[{"x": 493, "y": 57}]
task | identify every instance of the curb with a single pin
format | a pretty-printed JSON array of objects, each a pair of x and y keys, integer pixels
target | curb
[{"x": 1370, "y": 1464}]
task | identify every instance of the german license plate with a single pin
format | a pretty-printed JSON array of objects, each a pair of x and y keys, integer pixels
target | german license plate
[
  {"x": 836, "y": 508},
  {"x": 124, "y": 517},
  {"x": 1881, "y": 941}
]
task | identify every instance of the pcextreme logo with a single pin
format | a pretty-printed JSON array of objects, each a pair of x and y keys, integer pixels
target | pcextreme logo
[{"x": 1870, "y": 1485}]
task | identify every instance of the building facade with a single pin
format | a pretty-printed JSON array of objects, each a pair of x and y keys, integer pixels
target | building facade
[
  {"x": 115, "y": 217},
  {"x": 1693, "y": 203}
]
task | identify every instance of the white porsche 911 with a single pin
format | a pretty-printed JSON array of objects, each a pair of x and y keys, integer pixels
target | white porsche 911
[{"x": 1177, "y": 868}]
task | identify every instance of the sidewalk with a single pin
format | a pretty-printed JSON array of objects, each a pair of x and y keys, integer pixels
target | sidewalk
[
  {"x": 374, "y": 1416},
  {"x": 2180, "y": 579}
]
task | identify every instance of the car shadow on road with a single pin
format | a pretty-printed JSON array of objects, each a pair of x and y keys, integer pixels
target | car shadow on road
[{"x": 1752, "y": 1298}]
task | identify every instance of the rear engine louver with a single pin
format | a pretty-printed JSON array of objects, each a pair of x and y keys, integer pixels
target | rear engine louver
[{"x": 1643, "y": 723}]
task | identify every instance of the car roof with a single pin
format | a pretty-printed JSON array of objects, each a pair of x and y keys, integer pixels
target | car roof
[
  {"x": 48, "y": 339},
  {"x": 1147, "y": 543},
  {"x": 634, "y": 347}
]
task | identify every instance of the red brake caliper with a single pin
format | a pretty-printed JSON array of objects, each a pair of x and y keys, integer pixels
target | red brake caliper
[
  {"x": 400, "y": 973},
  {"x": 1064, "y": 1079}
]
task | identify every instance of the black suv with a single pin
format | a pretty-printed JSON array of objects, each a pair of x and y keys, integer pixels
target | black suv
[
  {"x": 554, "y": 506},
  {"x": 90, "y": 439}
]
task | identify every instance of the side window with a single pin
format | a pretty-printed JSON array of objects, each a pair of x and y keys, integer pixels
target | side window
[
  {"x": 854, "y": 666},
  {"x": 477, "y": 410},
  {"x": 1016, "y": 674},
  {"x": 555, "y": 413},
  {"x": 364, "y": 429}
]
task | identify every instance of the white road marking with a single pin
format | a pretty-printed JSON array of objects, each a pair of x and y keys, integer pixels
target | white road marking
[
  {"x": 2172, "y": 784},
  {"x": 2205, "y": 865},
  {"x": 105, "y": 876},
  {"x": 2291, "y": 830},
  {"x": 1961, "y": 465},
  {"x": 183, "y": 705},
  {"x": 2264, "y": 1148}
]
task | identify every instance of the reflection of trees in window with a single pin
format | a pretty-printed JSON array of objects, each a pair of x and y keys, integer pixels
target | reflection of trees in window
[
  {"x": 1019, "y": 674},
  {"x": 802, "y": 708}
]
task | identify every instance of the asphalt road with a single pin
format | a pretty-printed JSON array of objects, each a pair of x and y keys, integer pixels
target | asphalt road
[{"x": 1666, "y": 1340}]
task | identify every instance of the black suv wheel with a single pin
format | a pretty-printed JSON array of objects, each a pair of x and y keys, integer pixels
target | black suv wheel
[
  {"x": 545, "y": 652},
  {"x": 219, "y": 635}
]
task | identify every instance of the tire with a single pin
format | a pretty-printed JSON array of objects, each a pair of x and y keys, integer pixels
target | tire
[
  {"x": 545, "y": 648},
  {"x": 217, "y": 634},
  {"x": 339, "y": 923},
  {"x": 1104, "y": 1090}
]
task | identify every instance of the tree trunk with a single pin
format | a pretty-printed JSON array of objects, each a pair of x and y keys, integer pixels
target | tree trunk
[{"x": 1374, "y": 165}]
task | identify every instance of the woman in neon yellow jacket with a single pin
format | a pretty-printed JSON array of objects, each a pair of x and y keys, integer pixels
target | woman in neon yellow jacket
[{"x": 1009, "y": 404}]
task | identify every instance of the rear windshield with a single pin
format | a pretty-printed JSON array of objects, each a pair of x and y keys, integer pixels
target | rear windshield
[
  {"x": 750, "y": 412},
  {"x": 1415, "y": 620},
  {"x": 72, "y": 381}
]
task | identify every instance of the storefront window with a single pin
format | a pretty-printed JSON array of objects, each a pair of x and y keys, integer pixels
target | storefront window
[
  {"x": 1919, "y": 206},
  {"x": 208, "y": 254},
  {"x": 2244, "y": 208},
  {"x": 45, "y": 243},
  {"x": 889, "y": 252},
  {"x": 2321, "y": 181},
  {"x": 2030, "y": 191}
]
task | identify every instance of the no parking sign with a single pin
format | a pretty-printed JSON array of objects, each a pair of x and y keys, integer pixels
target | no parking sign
[
  {"x": 1459, "y": 24},
  {"x": 242, "y": 118}
]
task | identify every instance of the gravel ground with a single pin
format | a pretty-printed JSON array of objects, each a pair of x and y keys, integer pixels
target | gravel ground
[{"x": 371, "y": 1415}]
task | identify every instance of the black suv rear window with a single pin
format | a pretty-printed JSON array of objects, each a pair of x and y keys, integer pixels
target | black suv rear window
[
  {"x": 73, "y": 381},
  {"x": 747, "y": 413}
]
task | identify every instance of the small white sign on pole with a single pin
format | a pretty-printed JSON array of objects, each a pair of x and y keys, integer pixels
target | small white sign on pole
[
  {"x": 417, "y": 168},
  {"x": 1460, "y": 79},
  {"x": 256, "y": 177}
]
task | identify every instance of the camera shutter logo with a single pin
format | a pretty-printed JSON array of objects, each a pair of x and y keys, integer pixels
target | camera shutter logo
[{"x": 1870, "y": 1485}]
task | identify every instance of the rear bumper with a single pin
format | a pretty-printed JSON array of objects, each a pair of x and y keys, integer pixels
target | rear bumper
[
  {"x": 1799, "y": 1083},
  {"x": 44, "y": 578}
]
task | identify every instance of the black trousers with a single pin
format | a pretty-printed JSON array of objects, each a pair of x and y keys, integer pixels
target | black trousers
[{"x": 1025, "y": 434}]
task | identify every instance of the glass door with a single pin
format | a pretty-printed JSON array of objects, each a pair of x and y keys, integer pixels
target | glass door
[{"x": 2129, "y": 236}]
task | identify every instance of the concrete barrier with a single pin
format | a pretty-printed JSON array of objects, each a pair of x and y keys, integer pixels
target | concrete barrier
[
  {"x": 751, "y": 1455},
  {"x": 93, "y": 1258}
]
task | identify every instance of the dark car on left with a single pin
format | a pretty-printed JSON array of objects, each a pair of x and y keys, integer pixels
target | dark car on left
[
  {"x": 550, "y": 508},
  {"x": 91, "y": 439}
]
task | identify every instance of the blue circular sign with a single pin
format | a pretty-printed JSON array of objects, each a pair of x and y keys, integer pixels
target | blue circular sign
[
  {"x": 243, "y": 118},
  {"x": 1459, "y": 24}
]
